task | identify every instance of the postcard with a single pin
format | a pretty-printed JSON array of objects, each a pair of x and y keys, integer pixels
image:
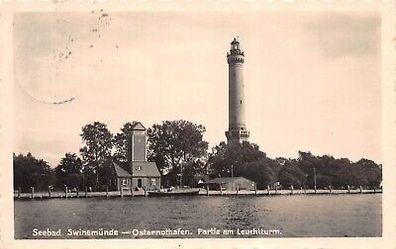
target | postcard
[{"x": 197, "y": 124}]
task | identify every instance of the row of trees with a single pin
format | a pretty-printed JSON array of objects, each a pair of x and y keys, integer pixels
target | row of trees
[
  {"x": 178, "y": 147},
  {"x": 248, "y": 161}
]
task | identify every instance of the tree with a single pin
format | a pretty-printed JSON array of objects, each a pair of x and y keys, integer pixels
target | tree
[
  {"x": 107, "y": 176},
  {"x": 291, "y": 174},
  {"x": 31, "y": 172},
  {"x": 98, "y": 143},
  {"x": 339, "y": 173},
  {"x": 372, "y": 172},
  {"x": 69, "y": 164},
  {"x": 120, "y": 141},
  {"x": 174, "y": 145},
  {"x": 190, "y": 171},
  {"x": 69, "y": 171},
  {"x": 309, "y": 164},
  {"x": 263, "y": 172},
  {"x": 226, "y": 157}
]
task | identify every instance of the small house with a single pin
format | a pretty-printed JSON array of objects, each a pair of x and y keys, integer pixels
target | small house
[{"x": 231, "y": 183}]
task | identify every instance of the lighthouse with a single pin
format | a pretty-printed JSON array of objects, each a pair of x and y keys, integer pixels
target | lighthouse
[{"x": 237, "y": 132}]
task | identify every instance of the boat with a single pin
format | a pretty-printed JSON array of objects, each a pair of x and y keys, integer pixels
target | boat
[{"x": 174, "y": 192}]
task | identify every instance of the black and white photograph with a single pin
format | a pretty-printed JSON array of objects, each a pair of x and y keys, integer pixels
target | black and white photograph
[{"x": 142, "y": 124}]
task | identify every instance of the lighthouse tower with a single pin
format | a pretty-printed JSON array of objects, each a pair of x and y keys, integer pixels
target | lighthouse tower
[{"x": 237, "y": 132}]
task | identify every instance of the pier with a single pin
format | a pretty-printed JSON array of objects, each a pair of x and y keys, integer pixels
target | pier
[
  {"x": 282, "y": 192},
  {"x": 127, "y": 193}
]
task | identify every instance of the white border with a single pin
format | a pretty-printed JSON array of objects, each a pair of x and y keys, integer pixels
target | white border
[{"x": 386, "y": 8}]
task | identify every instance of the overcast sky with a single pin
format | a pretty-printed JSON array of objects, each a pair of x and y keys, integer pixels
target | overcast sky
[{"x": 312, "y": 80}]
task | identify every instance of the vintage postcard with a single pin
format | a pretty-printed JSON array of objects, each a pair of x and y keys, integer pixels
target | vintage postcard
[{"x": 197, "y": 124}]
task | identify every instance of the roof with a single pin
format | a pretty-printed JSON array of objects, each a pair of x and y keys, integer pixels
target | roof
[
  {"x": 120, "y": 172},
  {"x": 222, "y": 180},
  {"x": 138, "y": 126},
  {"x": 147, "y": 169}
]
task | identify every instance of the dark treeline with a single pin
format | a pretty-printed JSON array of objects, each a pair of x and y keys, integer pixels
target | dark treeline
[
  {"x": 178, "y": 147},
  {"x": 248, "y": 161},
  {"x": 32, "y": 172}
]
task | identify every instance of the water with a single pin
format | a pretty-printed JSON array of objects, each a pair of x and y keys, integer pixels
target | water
[{"x": 293, "y": 216}]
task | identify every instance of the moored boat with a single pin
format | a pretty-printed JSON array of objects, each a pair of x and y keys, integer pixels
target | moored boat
[{"x": 174, "y": 192}]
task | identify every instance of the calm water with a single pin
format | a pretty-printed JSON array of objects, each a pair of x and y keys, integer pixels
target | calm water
[{"x": 293, "y": 216}]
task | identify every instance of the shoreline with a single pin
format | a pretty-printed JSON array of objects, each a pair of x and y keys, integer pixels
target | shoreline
[{"x": 202, "y": 192}]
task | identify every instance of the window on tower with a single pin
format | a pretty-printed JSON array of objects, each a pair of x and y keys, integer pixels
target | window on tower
[{"x": 240, "y": 102}]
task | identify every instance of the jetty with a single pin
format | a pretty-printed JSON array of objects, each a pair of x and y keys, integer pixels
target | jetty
[{"x": 129, "y": 193}]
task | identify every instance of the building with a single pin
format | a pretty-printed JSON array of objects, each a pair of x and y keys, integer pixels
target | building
[
  {"x": 137, "y": 172},
  {"x": 231, "y": 183},
  {"x": 237, "y": 132}
]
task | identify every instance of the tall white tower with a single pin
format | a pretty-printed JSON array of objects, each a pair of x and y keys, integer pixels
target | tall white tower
[{"x": 236, "y": 96}]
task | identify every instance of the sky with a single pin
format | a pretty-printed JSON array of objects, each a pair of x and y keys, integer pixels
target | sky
[{"x": 312, "y": 79}]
